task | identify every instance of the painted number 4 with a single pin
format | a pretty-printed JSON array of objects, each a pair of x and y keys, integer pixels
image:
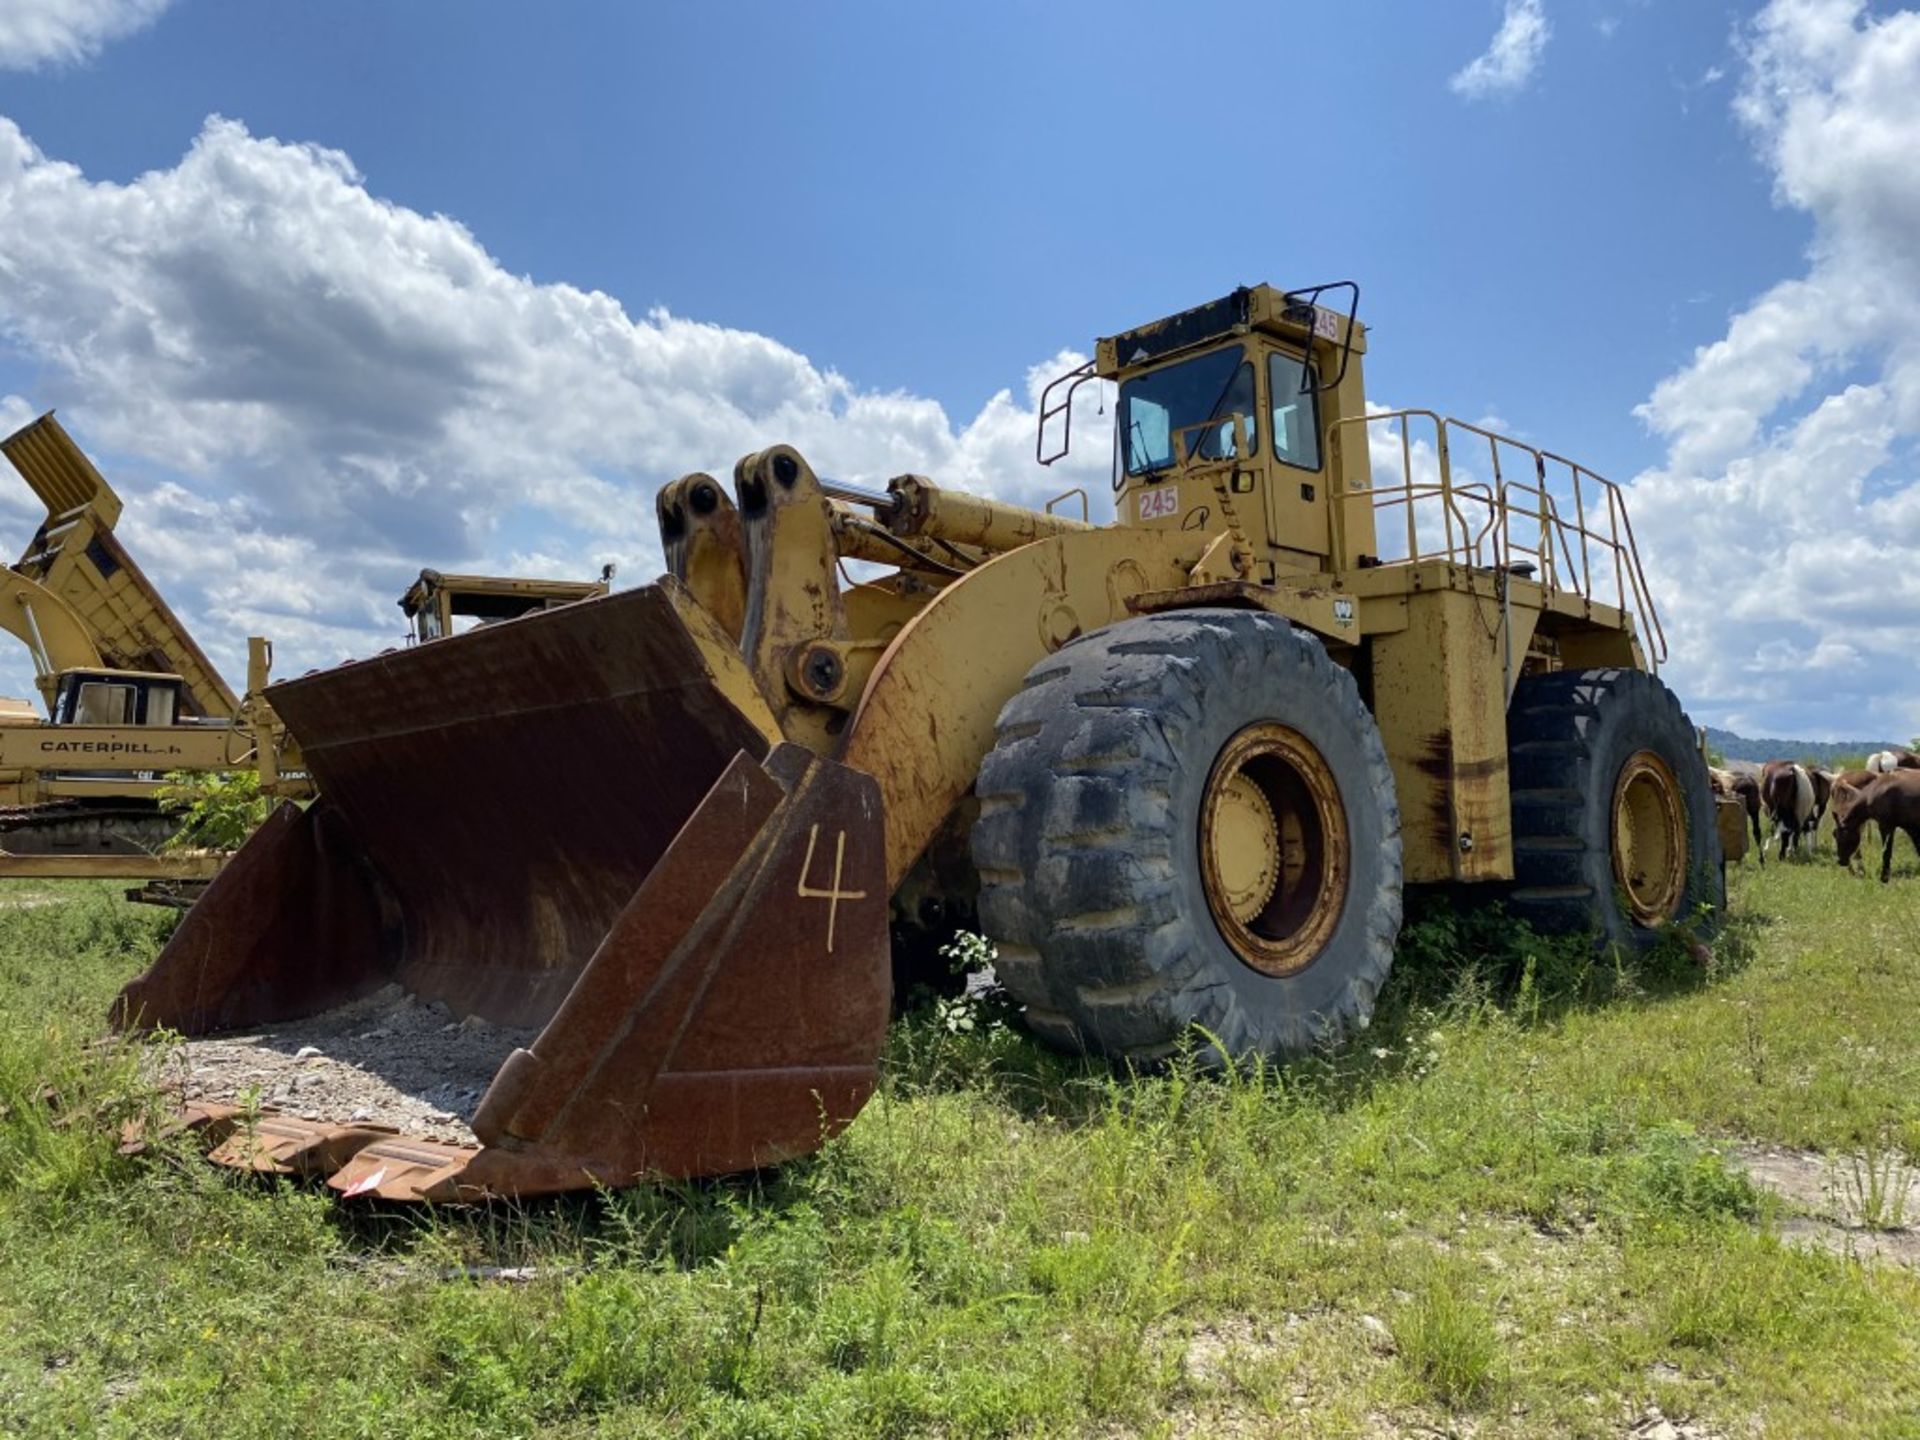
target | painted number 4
[
  {"x": 833, "y": 894},
  {"x": 1156, "y": 503}
]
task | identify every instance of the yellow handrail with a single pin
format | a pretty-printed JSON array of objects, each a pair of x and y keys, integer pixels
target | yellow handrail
[{"x": 1567, "y": 542}]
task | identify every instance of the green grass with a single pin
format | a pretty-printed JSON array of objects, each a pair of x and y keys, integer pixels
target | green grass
[{"x": 1506, "y": 1208}]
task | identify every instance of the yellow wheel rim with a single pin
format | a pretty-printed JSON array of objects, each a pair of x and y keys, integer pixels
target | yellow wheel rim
[
  {"x": 1649, "y": 839},
  {"x": 1274, "y": 853}
]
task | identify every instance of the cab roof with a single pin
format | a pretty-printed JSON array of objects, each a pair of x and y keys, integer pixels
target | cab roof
[{"x": 1293, "y": 315}]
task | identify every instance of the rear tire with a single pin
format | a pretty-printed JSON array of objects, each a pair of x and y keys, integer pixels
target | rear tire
[
  {"x": 1157, "y": 763},
  {"x": 1613, "y": 821}
]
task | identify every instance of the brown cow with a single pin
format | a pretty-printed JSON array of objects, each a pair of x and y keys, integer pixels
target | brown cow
[
  {"x": 1787, "y": 790},
  {"x": 1846, "y": 785},
  {"x": 1822, "y": 793},
  {"x": 1893, "y": 801},
  {"x": 1852, "y": 780}
]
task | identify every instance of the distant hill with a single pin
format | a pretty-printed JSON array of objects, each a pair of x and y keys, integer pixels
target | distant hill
[{"x": 1738, "y": 747}]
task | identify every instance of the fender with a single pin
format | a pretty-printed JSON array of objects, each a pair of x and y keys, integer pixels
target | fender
[{"x": 926, "y": 718}]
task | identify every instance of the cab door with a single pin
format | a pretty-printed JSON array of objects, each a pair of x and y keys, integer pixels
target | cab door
[{"x": 1296, "y": 491}]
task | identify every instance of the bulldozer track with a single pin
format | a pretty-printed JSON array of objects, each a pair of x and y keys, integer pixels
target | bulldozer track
[{"x": 61, "y": 827}]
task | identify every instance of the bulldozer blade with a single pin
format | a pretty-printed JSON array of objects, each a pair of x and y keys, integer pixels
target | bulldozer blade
[{"x": 525, "y": 824}]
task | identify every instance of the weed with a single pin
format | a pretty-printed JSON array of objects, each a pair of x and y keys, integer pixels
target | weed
[
  {"x": 1876, "y": 1185},
  {"x": 1669, "y": 1175},
  {"x": 1446, "y": 1341}
]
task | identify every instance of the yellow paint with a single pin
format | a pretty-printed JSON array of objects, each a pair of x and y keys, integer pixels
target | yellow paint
[
  {"x": 720, "y": 657},
  {"x": 436, "y": 599},
  {"x": 926, "y": 720},
  {"x": 77, "y": 557},
  {"x": 793, "y": 588},
  {"x": 1442, "y": 715},
  {"x": 700, "y": 534}
]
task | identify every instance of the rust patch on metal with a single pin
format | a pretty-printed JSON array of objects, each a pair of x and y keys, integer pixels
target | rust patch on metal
[
  {"x": 211, "y": 1124},
  {"x": 1435, "y": 761},
  {"x": 276, "y": 1144}
]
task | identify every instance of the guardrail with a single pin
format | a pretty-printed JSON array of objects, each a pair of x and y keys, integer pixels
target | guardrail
[{"x": 1532, "y": 507}]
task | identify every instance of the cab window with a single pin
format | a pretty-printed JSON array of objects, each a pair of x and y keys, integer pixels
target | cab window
[
  {"x": 104, "y": 704},
  {"x": 1296, "y": 411},
  {"x": 1153, "y": 407}
]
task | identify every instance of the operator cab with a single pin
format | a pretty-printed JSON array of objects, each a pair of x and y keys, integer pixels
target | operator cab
[
  {"x": 1239, "y": 397},
  {"x": 436, "y": 605},
  {"x": 1199, "y": 399},
  {"x": 116, "y": 697}
]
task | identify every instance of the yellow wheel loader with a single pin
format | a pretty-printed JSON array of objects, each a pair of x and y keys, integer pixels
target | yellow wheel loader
[{"x": 1177, "y": 768}]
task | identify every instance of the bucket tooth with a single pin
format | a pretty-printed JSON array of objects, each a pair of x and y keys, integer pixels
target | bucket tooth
[
  {"x": 404, "y": 1168},
  {"x": 209, "y": 1124},
  {"x": 283, "y": 1145}
]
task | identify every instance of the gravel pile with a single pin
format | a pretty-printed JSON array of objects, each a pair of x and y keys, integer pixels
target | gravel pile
[{"x": 384, "y": 1060}]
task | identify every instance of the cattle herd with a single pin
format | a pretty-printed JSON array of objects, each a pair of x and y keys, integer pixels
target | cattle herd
[{"x": 1793, "y": 799}]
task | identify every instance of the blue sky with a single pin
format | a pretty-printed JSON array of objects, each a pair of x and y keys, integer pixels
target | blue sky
[
  {"x": 930, "y": 197},
  {"x": 876, "y": 219}
]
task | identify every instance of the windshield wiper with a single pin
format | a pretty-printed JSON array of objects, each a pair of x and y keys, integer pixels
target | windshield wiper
[
  {"x": 1140, "y": 461},
  {"x": 1233, "y": 377}
]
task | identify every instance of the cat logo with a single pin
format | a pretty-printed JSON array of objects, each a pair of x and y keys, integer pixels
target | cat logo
[{"x": 1343, "y": 613}]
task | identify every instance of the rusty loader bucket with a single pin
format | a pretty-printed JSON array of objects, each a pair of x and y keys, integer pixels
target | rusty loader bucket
[{"x": 558, "y": 828}]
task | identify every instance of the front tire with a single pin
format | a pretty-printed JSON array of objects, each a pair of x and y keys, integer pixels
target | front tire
[{"x": 1188, "y": 820}]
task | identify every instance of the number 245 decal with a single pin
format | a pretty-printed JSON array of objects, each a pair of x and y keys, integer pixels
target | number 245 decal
[{"x": 1156, "y": 503}]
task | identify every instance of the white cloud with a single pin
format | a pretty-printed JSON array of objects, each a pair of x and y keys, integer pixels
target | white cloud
[
  {"x": 64, "y": 32},
  {"x": 307, "y": 392},
  {"x": 1512, "y": 56},
  {"x": 1783, "y": 526}
]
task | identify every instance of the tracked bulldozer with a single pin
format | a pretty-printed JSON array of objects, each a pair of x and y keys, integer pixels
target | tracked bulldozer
[
  {"x": 1179, "y": 769},
  {"x": 127, "y": 692}
]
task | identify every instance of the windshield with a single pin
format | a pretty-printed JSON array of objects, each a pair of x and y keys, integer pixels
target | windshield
[{"x": 1154, "y": 406}]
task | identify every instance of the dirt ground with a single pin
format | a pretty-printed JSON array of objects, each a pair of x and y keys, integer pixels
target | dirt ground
[{"x": 1861, "y": 1206}]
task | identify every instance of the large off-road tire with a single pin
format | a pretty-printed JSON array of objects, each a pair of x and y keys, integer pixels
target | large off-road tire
[
  {"x": 1613, "y": 820},
  {"x": 1188, "y": 820}
]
